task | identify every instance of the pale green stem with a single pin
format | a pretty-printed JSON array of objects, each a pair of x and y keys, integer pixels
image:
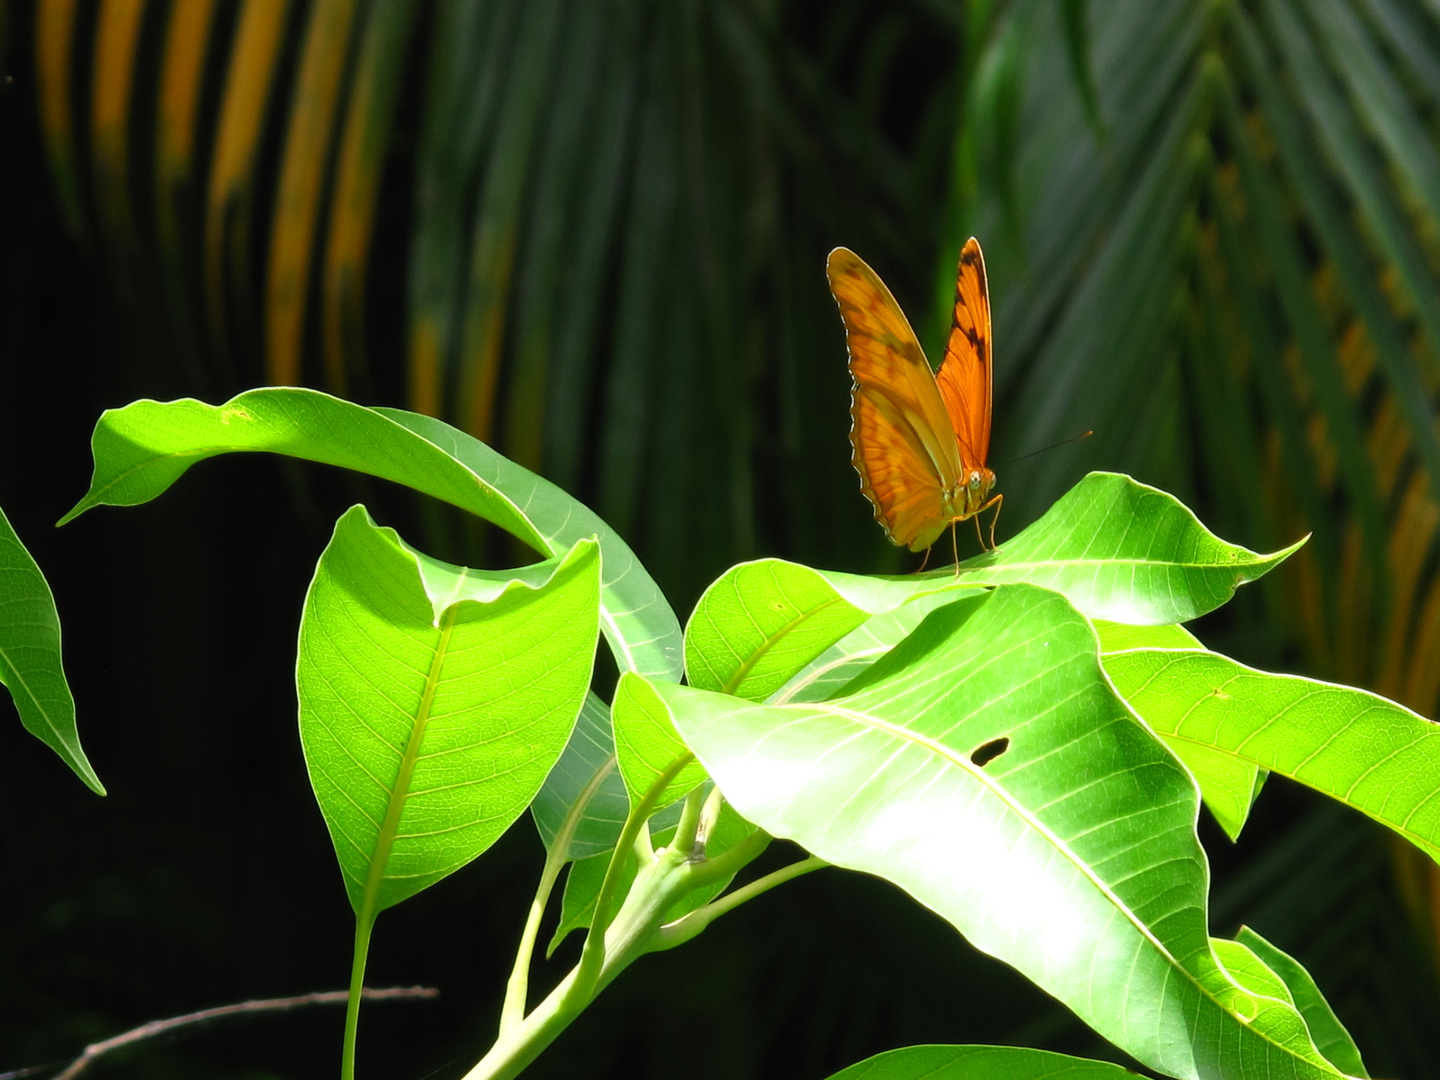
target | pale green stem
[
  {"x": 614, "y": 944},
  {"x": 518, "y": 988},
  {"x": 729, "y": 863},
  {"x": 364, "y": 923},
  {"x": 592, "y": 957},
  {"x": 630, "y": 935},
  {"x": 710, "y": 814},
  {"x": 685, "y": 831},
  {"x": 683, "y": 929}
]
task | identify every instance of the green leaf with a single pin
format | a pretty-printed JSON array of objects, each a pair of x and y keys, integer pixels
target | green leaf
[
  {"x": 986, "y": 767},
  {"x": 1228, "y": 785},
  {"x": 1329, "y": 1034},
  {"x": 142, "y": 449},
  {"x": 646, "y": 744},
  {"x": 30, "y": 664},
  {"x": 978, "y": 1063},
  {"x": 582, "y": 885},
  {"x": 1126, "y": 552},
  {"x": 1266, "y": 1000},
  {"x": 761, "y": 623},
  {"x": 839, "y": 665},
  {"x": 434, "y": 700},
  {"x": 1371, "y": 754},
  {"x": 1119, "y": 637}
]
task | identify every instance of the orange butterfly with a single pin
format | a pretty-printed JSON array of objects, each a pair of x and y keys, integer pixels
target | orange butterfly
[{"x": 920, "y": 438}]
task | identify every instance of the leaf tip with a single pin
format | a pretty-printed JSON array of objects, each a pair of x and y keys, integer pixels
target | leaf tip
[{"x": 75, "y": 511}]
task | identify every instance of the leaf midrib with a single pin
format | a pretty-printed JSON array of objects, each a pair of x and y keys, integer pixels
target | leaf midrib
[{"x": 376, "y": 876}]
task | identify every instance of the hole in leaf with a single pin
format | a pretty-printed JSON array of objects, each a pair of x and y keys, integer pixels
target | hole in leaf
[{"x": 990, "y": 751}]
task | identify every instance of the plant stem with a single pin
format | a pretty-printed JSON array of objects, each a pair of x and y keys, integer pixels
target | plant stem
[
  {"x": 364, "y": 923},
  {"x": 518, "y": 987},
  {"x": 592, "y": 957},
  {"x": 683, "y": 929},
  {"x": 685, "y": 831},
  {"x": 631, "y": 934}
]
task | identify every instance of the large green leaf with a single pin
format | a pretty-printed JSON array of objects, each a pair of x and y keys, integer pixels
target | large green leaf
[
  {"x": 434, "y": 700},
  {"x": 30, "y": 664},
  {"x": 986, "y": 767},
  {"x": 978, "y": 1063},
  {"x": 1371, "y": 754},
  {"x": 1124, "y": 551},
  {"x": 834, "y": 668},
  {"x": 142, "y": 449}
]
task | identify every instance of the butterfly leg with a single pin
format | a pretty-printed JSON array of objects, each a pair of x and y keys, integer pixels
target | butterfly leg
[{"x": 995, "y": 502}]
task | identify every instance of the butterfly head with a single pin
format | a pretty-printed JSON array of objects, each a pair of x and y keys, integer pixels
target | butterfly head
[{"x": 977, "y": 490}]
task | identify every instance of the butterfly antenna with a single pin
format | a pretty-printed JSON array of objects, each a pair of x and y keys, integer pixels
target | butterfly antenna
[{"x": 1052, "y": 446}]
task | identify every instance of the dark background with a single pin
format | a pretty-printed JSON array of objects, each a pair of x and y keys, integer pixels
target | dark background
[{"x": 206, "y": 876}]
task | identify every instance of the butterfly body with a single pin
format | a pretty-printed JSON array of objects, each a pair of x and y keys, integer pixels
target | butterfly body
[{"x": 919, "y": 438}]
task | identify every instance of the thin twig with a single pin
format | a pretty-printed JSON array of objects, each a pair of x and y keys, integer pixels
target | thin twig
[{"x": 160, "y": 1027}]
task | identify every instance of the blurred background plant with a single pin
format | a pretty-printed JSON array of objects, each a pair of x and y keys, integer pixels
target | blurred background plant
[{"x": 593, "y": 233}]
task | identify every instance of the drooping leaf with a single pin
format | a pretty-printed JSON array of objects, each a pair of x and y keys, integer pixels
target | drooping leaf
[
  {"x": 30, "y": 666},
  {"x": 145, "y": 447},
  {"x": 434, "y": 700},
  {"x": 1329, "y": 1034},
  {"x": 1229, "y": 785},
  {"x": 1371, "y": 754},
  {"x": 986, "y": 767}
]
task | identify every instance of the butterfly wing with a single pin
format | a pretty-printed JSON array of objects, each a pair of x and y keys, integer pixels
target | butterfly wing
[
  {"x": 901, "y": 435},
  {"x": 964, "y": 378}
]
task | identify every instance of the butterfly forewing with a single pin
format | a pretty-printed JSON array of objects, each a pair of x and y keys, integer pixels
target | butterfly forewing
[
  {"x": 964, "y": 378},
  {"x": 903, "y": 447}
]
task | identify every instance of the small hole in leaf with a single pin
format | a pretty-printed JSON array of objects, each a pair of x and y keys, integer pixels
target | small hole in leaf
[{"x": 990, "y": 751}]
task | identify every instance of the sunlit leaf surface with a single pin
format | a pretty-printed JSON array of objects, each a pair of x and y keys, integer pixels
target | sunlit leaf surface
[
  {"x": 978, "y": 1063},
  {"x": 986, "y": 767},
  {"x": 30, "y": 666},
  {"x": 1124, "y": 551},
  {"x": 434, "y": 700},
  {"x": 1372, "y": 754}
]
